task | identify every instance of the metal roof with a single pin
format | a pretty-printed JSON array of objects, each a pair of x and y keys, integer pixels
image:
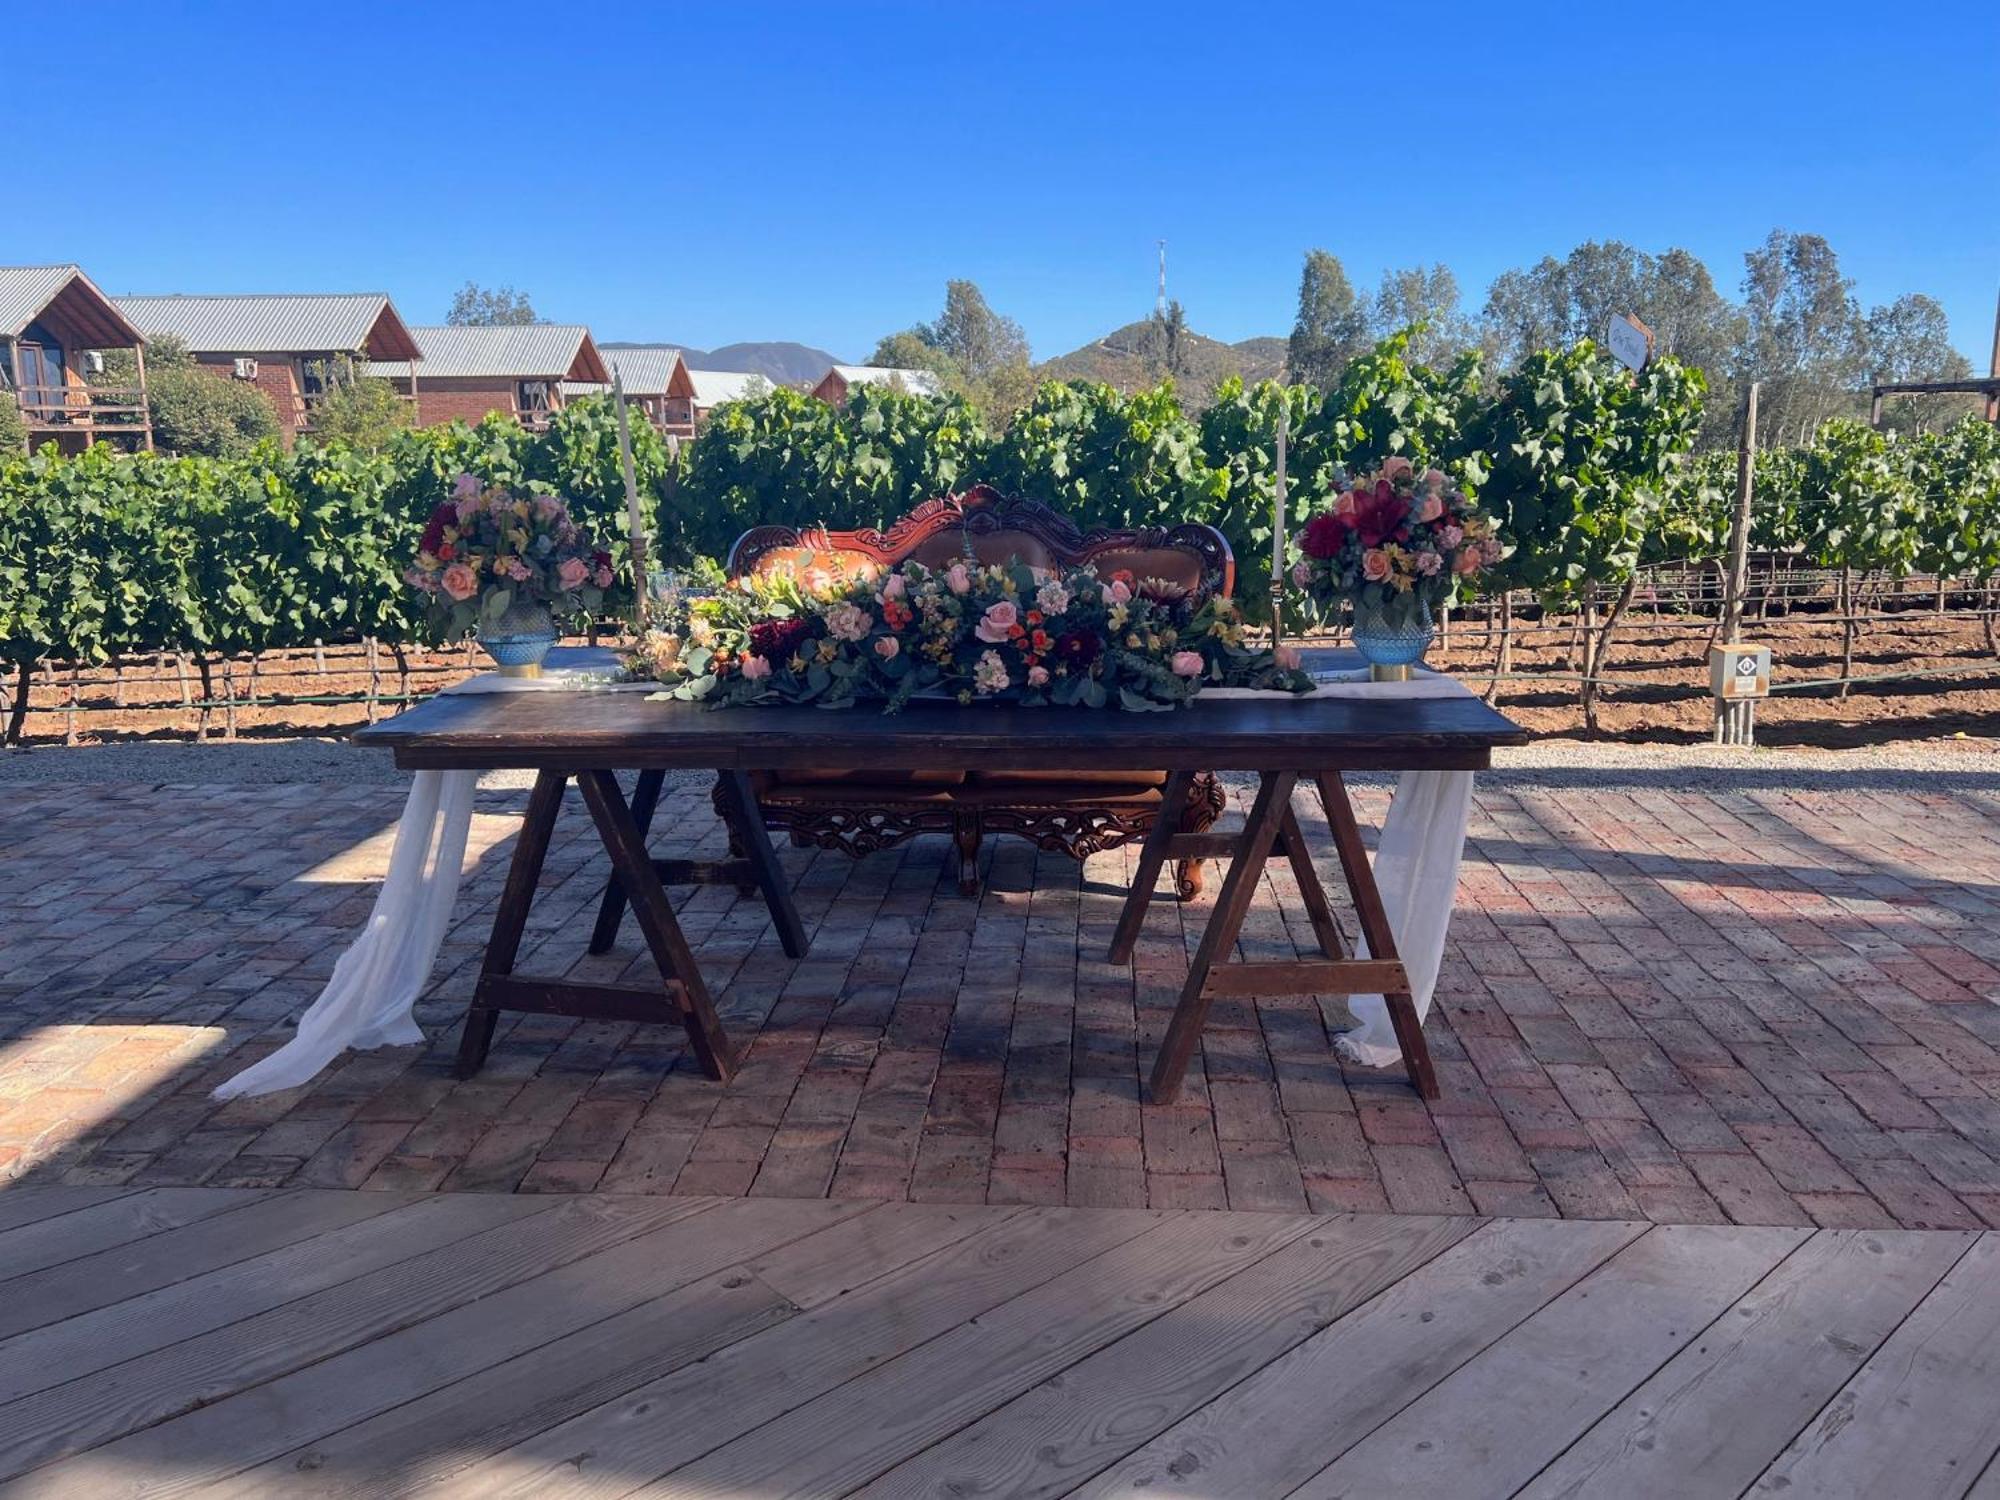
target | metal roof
[
  {"x": 275, "y": 323},
  {"x": 916, "y": 382},
  {"x": 26, "y": 290},
  {"x": 515, "y": 351},
  {"x": 646, "y": 369},
  {"x": 713, "y": 387}
]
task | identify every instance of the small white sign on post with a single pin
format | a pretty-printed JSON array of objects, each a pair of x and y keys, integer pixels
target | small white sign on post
[
  {"x": 1631, "y": 341},
  {"x": 1737, "y": 672}
]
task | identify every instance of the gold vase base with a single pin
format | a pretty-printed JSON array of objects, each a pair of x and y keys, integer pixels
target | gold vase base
[
  {"x": 529, "y": 669},
  {"x": 1402, "y": 672}
]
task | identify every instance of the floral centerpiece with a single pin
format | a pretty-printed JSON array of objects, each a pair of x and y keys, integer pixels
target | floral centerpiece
[
  {"x": 966, "y": 631},
  {"x": 1395, "y": 545},
  {"x": 507, "y": 566}
]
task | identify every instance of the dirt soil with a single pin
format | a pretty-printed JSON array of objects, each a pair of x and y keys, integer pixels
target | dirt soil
[{"x": 1659, "y": 666}]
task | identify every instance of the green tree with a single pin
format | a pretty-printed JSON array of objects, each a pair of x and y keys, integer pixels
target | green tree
[
  {"x": 13, "y": 430},
  {"x": 975, "y": 351},
  {"x": 1168, "y": 333},
  {"x": 1424, "y": 300},
  {"x": 1803, "y": 336},
  {"x": 476, "y": 306},
  {"x": 1910, "y": 339},
  {"x": 199, "y": 411},
  {"x": 1331, "y": 326},
  {"x": 364, "y": 413}
]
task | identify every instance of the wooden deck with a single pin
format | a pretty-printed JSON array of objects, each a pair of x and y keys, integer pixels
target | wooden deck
[{"x": 179, "y": 1340}]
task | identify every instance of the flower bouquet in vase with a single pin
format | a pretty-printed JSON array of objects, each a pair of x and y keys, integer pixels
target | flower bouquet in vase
[
  {"x": 506, "y": 567},
  {"x": 1395, "y": 546}
]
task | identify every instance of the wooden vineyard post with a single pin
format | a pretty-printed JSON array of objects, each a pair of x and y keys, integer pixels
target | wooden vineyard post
[
  {"x": 374, "y": 679},
  {"x": 1735, "y": 722}
]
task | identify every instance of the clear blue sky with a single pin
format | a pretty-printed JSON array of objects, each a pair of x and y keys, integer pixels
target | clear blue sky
[{"x": 712, "y": 172}]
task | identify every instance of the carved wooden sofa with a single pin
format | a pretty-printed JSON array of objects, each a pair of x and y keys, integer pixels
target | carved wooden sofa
[{"x": 1077, "y": 814}]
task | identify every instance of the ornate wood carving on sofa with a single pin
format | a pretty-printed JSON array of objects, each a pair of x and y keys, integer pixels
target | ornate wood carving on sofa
[{"x": 1075, "y": 813}]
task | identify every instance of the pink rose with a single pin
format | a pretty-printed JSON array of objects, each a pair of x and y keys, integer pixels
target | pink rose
[
  {"x": 1287, "y": 658},
  {"x": 460, "y": 582},
  {"x": 887, "y": 647},
  {"x": 1393, "y": 467},
  {"x": 1186, "y": 663},
  {"x": 1038, "y": 677},
  {"x": 602, "y": 578},
  {"x": 1434, "y": 479},
  {"x": 1430, "y": 509},
  {"x": 893, "y": 587},
  {"x": 996, "y": 626},
  {"x": 572, "y": 572},
  {"x": 1344, "y": 506},
  {"x": 1120, "y": 592},
  {"x": 1302, "y": 573},
  {"x": 1375, "y": 565},
  {"x": 1467, "y": 562},
  {"x": 957, "y": 579},
  {"x": 756, "y": 668}
]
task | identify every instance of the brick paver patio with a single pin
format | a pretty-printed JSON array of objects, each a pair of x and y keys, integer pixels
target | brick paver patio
[{"x": 1771, "y": 1006}]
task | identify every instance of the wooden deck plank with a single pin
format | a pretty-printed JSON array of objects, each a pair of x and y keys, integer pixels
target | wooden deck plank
[
  {"x": 1077, "y": 1423},
  {"x": 1922, "y": 1416},
  {"x": 55, "y": 1423},
  {"x": 1717, "y": 1413},
  {"x": 67, "y": 1237},
  {"x": 652, "y": 1429},
  {"x": 423, "y": 1440},
  {"x": 107, "y": 1336},
  {"x": 1284, "y": 1424},
  {"x": 126, "y": 1271},
  {"x": 1493, "y": 1424},
  {"x": 264, "y": 1423},
  {"x": 29, "y": 1205},
  {"x": 875, "y": 1421}
]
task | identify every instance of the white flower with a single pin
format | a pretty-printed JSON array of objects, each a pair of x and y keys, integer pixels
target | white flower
[
  {"x": 1052, "y": 598},
  {"x": 848, "y": 622},
  {"x": 989, "y": 674}
]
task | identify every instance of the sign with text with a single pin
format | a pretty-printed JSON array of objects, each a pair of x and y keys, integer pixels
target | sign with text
[
  {"x": 1737, "y": 671},
  {"x": 1631, "y": 341}
]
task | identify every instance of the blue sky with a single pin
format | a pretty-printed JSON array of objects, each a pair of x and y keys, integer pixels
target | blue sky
[{"x": 707, "y": 173}]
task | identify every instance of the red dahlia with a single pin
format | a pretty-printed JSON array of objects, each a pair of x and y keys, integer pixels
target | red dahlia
[
  {"x": 1323, "y": 535},
  {"x": 774, "y": 640}
]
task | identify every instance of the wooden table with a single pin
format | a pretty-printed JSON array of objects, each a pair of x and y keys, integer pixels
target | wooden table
[{"x": 591, "y": 736}]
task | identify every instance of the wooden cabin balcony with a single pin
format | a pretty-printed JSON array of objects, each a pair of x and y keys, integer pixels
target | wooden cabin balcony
[{"x": 72, "y": 408}]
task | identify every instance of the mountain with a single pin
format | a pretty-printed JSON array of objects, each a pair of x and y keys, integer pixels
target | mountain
[
  {"x": 1128, "y": 359},
  {"x": 781, "y": 363}
]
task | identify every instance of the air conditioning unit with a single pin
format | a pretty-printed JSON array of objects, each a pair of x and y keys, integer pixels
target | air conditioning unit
[{"x": 246, "y": 369}]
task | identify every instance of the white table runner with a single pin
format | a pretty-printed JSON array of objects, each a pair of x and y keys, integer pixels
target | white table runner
[{"x": 369, "y": 999}]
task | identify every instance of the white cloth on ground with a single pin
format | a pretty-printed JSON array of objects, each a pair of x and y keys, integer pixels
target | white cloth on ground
[{"x": 374, "y": 988}]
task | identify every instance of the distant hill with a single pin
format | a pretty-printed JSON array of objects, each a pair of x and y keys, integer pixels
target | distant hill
[
  {"x": 1127, "y": 358},
  {"x": 781, "y": 363}
]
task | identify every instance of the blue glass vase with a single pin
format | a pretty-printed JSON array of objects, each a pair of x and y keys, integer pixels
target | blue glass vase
[
  {"x": 520, "y": 639},
  {"x": 1392, "y": 647}
]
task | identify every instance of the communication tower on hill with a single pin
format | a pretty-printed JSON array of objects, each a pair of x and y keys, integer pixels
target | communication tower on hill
[{"x": 1160, "y": 306}]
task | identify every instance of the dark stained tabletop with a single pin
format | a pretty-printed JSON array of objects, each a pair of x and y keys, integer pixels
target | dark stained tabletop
[{"x": 623, "y": 731}]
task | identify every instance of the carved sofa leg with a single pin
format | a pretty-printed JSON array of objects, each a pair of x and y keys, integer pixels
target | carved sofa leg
[
  {"x": 1204, "y": 806},
  {"x": 965, "y": 834}
]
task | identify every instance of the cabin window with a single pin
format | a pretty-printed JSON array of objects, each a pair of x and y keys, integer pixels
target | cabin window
[
  {"x": 532, "y": 396},
  {"x": 318, "y": 376}
]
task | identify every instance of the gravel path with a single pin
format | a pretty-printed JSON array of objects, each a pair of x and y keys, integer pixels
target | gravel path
[{"x": 1930, "y": 765}]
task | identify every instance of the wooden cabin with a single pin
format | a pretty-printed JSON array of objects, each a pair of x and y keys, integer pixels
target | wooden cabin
[
  {"x": 657, "y": 382},
  {"x": 840, "y": 379},
  {"x": 517, "y": 369},
  {"x": 292, "y": 347},
  {"x": 55, "y": 328}
]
